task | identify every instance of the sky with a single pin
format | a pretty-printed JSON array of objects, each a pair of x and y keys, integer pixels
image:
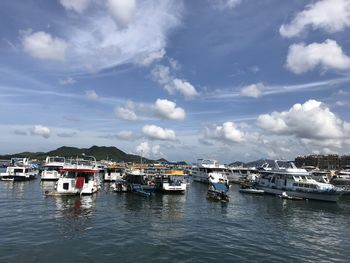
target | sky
[{"x": 232, "y": 80}]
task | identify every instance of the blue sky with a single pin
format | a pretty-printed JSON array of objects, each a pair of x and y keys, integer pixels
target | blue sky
[{"x": 224, "y": 79}]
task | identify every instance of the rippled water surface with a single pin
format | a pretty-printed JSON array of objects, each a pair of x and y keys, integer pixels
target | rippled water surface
[{"x": 111, "y": 227}]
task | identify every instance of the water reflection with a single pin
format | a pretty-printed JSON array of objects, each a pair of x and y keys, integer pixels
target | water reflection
[
  {"x": 73, "y": 214},
  {"x": 47, "y": 186}
]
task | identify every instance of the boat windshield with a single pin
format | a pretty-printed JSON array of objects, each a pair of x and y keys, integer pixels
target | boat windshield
[{"x": 285, "y": 164}]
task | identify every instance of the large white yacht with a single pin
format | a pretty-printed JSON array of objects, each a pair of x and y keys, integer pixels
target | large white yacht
[
  {"x": 52, "y": 167},
  {"x": 19, "y": 169},
  {"x": 210, "y": 171},
  {"x": 286, "y": 178},
  {"x": 79, "y": 177}
]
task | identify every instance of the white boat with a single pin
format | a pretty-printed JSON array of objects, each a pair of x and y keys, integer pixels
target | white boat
[
  {"x": 170, "y": 184},
  {"x": 342, "y": 178},
  {"x": 239, "y": 174},
  {"x": 210, "y": 171},
  {"x": 52, "y": 167},
  {"x": 19, "y": 169},
  {"x": 79, "y": 177},
  {"x": 114, "y": 173},
  {"x": 295, "y": 182}
]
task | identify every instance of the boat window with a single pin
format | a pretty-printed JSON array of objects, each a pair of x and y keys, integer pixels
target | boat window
[{"x": 18, "y": 170}]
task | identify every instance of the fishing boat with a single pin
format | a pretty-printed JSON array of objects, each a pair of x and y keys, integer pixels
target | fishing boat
[
  {"x": 138, "y": 182},
  {"x": 19, "y": 169},
  {"x": 251, "y": 191},
  {"x": 295, "y": 182},
  {"x": 51, "y": 168},
  {"x": 79, "y": 176},
  {"x": 167, "y": 183},
  {"x": 210, "y": 171},
  {"x": 218, "y": 192}
]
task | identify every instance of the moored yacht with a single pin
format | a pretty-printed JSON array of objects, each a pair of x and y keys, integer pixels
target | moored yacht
[
  {"x": 19, "y": 169},
  {"x": 210, "y": 171},
  {"x": 170, "y": 184},
  {"x": 286, "y": 178},
  {"x": 52, "y": 167},
  {"x": 79, "y": 177},
  {"x": 342, "y": 178}
]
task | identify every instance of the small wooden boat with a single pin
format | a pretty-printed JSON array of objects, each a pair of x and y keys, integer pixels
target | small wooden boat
[{"x": 218, "y": 192}]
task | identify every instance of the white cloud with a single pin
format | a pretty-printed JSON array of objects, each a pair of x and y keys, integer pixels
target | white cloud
[
  {"x": 126, "y": 113},
  {"x": 147, "y": 150},
  {"x": 67, "y": 81},
  {"x": 173, "y": 85},
  {"x": 75, "y": 5},
  {"x": 253, "y": 90},
  {"x": 122, "y": 11},
  {"x": 41, "y": 131},
  {"x": 91, "y": 95},
  {"x": 183, "y": 87},
  {"x": 157, "y": 133},
  {"x": 143, "y": 149},
  {"x": 44, "y": 46},
  {"x": 167, "y": 109},
  {"x": 98, "y": 43},
  {"x": 227, "y": 132},
  {"x": 312, "y": 120},
  {"x": 330, "y": 15},
  {"x": 225, "y": 4},
  {"x": 328, "y": 55}
]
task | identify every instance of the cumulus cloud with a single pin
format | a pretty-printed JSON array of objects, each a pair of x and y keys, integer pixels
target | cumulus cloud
[
  {"x": 91, "y": 95},
  {"x": 127, "y": 112},
  {"x": 224, "y": 4},
  {"x": 143, "y": 149},
  {"x": 44, "y": 46},
  {"x": 75, "y": 5},
  {"x": 253, "y": 90},
  {"x": 163, "y": 76},
  {"x": 122, "y": 11},
  {"x": 41, "y": 131},
  {"x": 227, "y": 132},
  {"x": 147, "y": 150},
  {"x": 167, "y": 109},
  {"x": 312, "y": 120},
  {"x": 157, "y": 133},
  {"x": 328, "y": 55},
  {"x": 330, "y": 15}
]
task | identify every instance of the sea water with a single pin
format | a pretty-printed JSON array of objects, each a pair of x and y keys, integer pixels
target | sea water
[{"x": 114, "y": 227}]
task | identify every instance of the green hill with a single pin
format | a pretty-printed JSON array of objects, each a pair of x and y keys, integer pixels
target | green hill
[{"x": 99, "y": 152}]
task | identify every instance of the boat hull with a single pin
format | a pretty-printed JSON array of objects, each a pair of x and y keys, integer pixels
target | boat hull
[{"x": 328, "y": 197}]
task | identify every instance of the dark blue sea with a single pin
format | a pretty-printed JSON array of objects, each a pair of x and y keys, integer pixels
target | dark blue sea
[{"x": 112, "y": 227}]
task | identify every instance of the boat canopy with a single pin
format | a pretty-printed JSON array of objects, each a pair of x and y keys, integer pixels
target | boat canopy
[{"x": 220, "y": 187}]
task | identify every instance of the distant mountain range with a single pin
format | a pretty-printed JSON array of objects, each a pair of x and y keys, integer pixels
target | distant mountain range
[
  {"x": 99, "y": 152},
  {"x": 110, "y": 153}
]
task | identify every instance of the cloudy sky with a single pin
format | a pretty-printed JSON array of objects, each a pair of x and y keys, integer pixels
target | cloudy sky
[{"x": 224, "y": 79}]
